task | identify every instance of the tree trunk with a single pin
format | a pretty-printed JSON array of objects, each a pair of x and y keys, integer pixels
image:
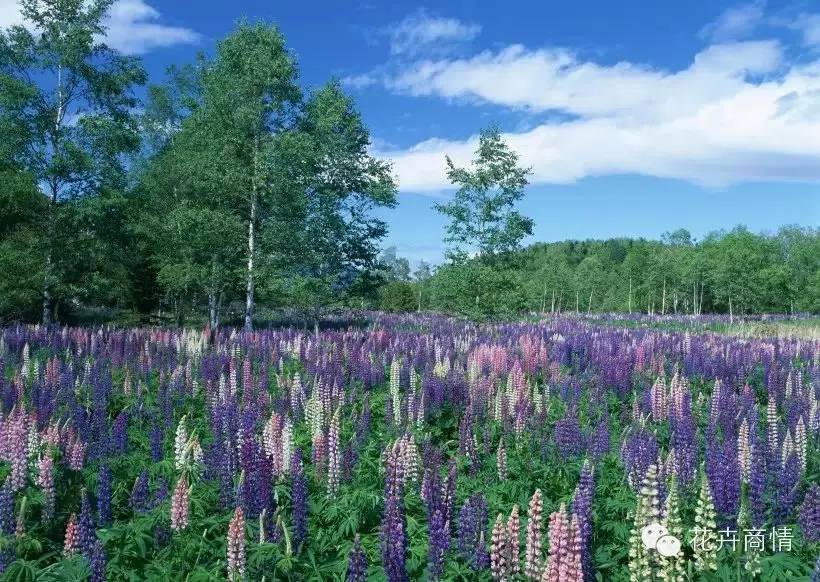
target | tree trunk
[
  {"x": 663, "y": 298},
  {"x": 251, "y": 241},
  {"x": 250, "y": 289},
  {"x": 178, "y": 314},
  {"x": 694, "y": 297},
  {"x": 47, "y": 295},
  {"x": 213, "y": 311},
  {"x": 544, "y": 299},
  {"x": 630, "y": 295},
  {"x": 552, "y": 307},
  {"x": 47, "y": 275}
]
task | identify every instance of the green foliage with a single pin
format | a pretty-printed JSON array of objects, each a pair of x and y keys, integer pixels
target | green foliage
[
  {"x": 476, "y": 290},
  {"x": 397, "y": 296},
  {"x": 760, "y": 273},
  {"x": 66, "y": 124},
  {"x": 482, "y": 215}
]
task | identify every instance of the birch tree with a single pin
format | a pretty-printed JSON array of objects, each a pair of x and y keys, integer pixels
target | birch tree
[
  {"x": 66, "y": 99},
  {"x": 250, "y": 96}
]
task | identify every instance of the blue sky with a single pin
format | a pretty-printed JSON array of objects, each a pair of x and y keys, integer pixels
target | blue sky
[{"x": 637, "y": 117}]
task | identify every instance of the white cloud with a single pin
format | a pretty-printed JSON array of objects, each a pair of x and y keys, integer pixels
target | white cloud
[
  {"x": 10, "y": 13},
  {"x": 735, "y": 22},
  {"x": 132, "y": 26},
  {"x": 421, "y": 32},
  {"x": 737, "y": 113},
  {"x": 555, "y": 79}
]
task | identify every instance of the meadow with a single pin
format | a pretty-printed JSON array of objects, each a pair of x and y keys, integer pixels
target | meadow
[{"x": 412, "y": 447}]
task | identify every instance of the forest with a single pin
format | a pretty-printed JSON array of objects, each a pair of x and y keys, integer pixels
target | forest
[{"x": 231, "y": 190}]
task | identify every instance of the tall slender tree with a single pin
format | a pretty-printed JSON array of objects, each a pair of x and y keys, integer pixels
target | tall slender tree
[
  {"x": 66, "y": 99},
  {"x": 482, "y": 214},
  {"x": 250, "y": 96}
]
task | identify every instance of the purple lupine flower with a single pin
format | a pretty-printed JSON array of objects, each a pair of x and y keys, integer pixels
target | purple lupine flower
[
  {"x": 299, "y": 495},
  {"x": 7, "y": 524},
  {"x": 431, "y": 489},
  {"x": 98, "y": 563},
  {"x": 481, "y": 561},
  {"x": 466, "y": 530},
  {"x": 439, "y": 544},
  {"x": 788, "y": 485},
  {"x": 809, "y": 518},
  {"x": 7, "y": 519},
  {"x": 815, "y": 575},
  {"x": 723, "y": 471},
  {"x": 567, "y": 435},
  {"x": 357, "y": 562},
  {"x": 394, "y": 540},
  {"x": 448, "y": 500},
  {"x": 119, "y": 433},
  {"x": 85, "y": 526},
  {"x": 599, "y": 442},
  {"x": 472, "y": 523},
  {"x": 639, "y": 450},
  {"x": 104, "y": 496},
  {"x": 139, "y": 493},
  {"x": 757, "y": 484},
  {"x": 683, "y": 439},
  {"x": 156, "y": 442},
  {"x": 582, "y": 508}
]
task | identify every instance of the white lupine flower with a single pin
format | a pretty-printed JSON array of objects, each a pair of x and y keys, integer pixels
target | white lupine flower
[
  {"x": 287, "y": 444},
  {"x": 180, "y": 444},
  {"x": 801, "y": 442}
]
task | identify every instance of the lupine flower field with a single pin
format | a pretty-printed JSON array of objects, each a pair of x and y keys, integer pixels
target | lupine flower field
[{"x": 408, "y": 448}]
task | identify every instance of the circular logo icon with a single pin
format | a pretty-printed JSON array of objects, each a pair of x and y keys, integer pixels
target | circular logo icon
[
  {"x": 668, "y": 546},
  {"x": 651, "y": 533}
]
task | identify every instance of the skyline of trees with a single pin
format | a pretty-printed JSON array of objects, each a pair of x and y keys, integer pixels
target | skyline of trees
[{"x": 230, "y": 185}]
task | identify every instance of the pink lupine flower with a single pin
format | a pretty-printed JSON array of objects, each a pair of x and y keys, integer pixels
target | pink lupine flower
[
  {"x": 236, "y": 546},
  {"x": 571, "y": 564},
  {"x": 45, "y": 480},
  {"x": 15, "y": 448},
  {"x": 532, "y": 566},
  {"x": 557, "y": 539},
  {"x": 659, "y": 399},
  {"x": 319, "y": 453},
  {"x": 71, "y": 545},
  {"x": 513, "y": 541},
  {"x": 498, "y": 551},
  {"x": 51, "y": 435},
  {"x": 76, "y": 454},
  {"x": 565, "y": 549},
  {"x": 181, "y": 505}
]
